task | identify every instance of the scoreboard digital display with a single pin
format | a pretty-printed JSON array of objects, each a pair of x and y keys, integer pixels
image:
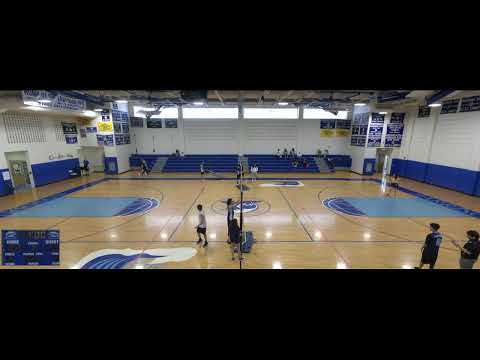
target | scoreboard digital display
[{"x": 30, "y": 247}]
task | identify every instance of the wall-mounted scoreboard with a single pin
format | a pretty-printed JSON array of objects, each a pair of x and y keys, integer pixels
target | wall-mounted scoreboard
[{"x": 30, "y": 247}]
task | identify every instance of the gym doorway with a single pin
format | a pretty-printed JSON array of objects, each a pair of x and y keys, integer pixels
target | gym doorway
[
  {"x": 384, "y": 160},
  {"x": 18, "y": 165}
]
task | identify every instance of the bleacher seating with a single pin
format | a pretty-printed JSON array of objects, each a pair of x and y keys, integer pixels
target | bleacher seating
[
  {"x": 191, "y": 163},
  {"x": 270, "y": 163},
  {"x": 150, "y": 160}
]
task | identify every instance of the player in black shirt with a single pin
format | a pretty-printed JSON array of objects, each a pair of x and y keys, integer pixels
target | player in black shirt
[
  {"x": 470, "y": 251},
  {"x": 431, "y": 247}
]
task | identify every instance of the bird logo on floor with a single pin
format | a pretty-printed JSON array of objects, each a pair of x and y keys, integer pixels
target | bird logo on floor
[
  {"x": 248, "y": 206},
  {"x": 130, "y": 258}
]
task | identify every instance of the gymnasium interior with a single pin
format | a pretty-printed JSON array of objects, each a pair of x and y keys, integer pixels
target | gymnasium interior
[{"x": 347, "y": 179}]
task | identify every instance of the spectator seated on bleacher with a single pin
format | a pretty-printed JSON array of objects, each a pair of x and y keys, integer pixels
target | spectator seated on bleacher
[
  {"x": 319, "y": 153},
  {"x": 177, "y": 153},
  {"x": 285, "y": 153},
  {"x": 279, "y": 153},
  {"x": 330, "y": 163},
  {"x": 182, "y": 155}
]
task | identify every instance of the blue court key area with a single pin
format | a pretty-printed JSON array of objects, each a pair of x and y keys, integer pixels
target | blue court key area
[
  {"x": 391, "y": 207},
  {"x": 400, "y": 207},
  {"x": 87, "y": 207}
]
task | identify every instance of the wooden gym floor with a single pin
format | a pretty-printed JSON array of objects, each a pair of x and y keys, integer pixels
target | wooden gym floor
[{"x": 293, "y": 229}]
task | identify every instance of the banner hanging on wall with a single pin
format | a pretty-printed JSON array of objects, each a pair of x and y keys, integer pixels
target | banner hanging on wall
[
  {"x": 378, "y": 118},
  {"x": 91, "y": 130},
  {"x": 327, "y": 127},
  {"x": 105, "y": 126},
  {"x": 450, "y": 106},
  {"x": 394, "y": 135},
  {"x": 108, "y": 140},
  {"x": 71, "y": 139},
  {"x": 471, "y": 103},
  {"x": 100, "y": 140},
  {"x": 423, "y": 111},
  {"x": 397, "y": 117},
  {"x": 154, "y": 123},
  {"x": 56, "y": 101},
  {"x": 171, "y": 123},
  {"x": 136, "y": 122},
  {"x": 375, "y": 135},
  {"x": 342, "y": 127},
  {"x": 69, "y": 128}
]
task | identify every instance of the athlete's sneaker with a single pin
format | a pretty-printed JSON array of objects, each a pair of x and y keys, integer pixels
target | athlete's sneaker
[{"x": 205, "y": 244}]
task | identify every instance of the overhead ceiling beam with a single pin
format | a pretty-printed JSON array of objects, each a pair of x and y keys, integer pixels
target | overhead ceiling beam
[
  {"x": 285, "y": 96},
  {"x": 437, "y": 96},
  {"x": 219, "y": 97}
]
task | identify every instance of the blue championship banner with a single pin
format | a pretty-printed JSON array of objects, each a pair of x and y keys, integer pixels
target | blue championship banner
[
  {"x": 423, "y": 111},
  {"x": 57, "y": 101},
  {"x": 100, "y": 140},
  {"x": 137, "y": 122},
  {"x": 108, "y": 140},
  {"x": 154, "y": 123},
  {"x": 450, "y": 106},
  {"x": 471, "y": 103},
  {"x": 394, "y": 135},
  {"x": 378, "y": 118},
  {"x": 69, "y": 128},
  {"x": 375, "y": 135},
  {"x": 119, "y": 139},
  {"x": 171, "y": 124},
  {"x": 397, "y": 117},
  {"x": 71, "y": 139},
  {"x": 30, "y": 247}
]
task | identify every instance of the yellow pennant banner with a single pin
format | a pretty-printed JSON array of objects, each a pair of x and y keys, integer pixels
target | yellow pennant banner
[
  {"x": 342, "y": 132},
  {"x": 105, "y": 126},
  {"x": 327, "y": 132}
]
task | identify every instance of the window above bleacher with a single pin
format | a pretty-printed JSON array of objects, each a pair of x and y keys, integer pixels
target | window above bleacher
[
  {"x": 323, "y": 114},
  {"x": 165, "y": 113},
  {"x": 210, "y": 113},
  {"x": 270, "y": 113}
]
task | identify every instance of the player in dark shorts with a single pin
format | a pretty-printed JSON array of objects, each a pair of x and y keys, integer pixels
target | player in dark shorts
[
  {"x": 234, "y": 234},
  {"x": 230, "y": 216},
  {"x": 431, "y": 247},
  {"x": 238, "y": 174},
  {"x": 470, "y": 251},
  {"x": 393, "y": 185}
]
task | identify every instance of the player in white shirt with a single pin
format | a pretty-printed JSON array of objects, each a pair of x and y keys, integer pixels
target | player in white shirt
[{"x": 254, "y": 171}]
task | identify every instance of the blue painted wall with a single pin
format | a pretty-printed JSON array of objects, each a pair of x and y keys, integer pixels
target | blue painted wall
[
  {"x": 463, "y": 180},
  {"x": 111, "y": 162},
  {"x": 6, "y": 187},
  {"x": 47, "y": 173}
]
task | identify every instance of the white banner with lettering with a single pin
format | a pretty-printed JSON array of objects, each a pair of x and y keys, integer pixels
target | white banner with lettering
[{"x": 56, "y": 101}]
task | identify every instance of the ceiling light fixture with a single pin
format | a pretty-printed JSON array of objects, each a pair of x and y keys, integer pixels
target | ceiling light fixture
[
  {"x": 45, "y": 101},
  {"x": 283, "y": 103},
  {"x": 32, "y": 103},
  {"x": 435, "y": 105},
  {"x": 360, "y": 104},
  {"x": 198, "y": 103},
  {"x": 35, "y": 108},
  {"x": 121, "y": 101},
  {"x": 89, "y": 113},
  {"x": 383, "y": 113},
  {"x": 98, "y": 110}
]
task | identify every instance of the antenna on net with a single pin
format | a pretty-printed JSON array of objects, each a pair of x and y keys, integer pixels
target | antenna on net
[{"x": 241, "y": 214}]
